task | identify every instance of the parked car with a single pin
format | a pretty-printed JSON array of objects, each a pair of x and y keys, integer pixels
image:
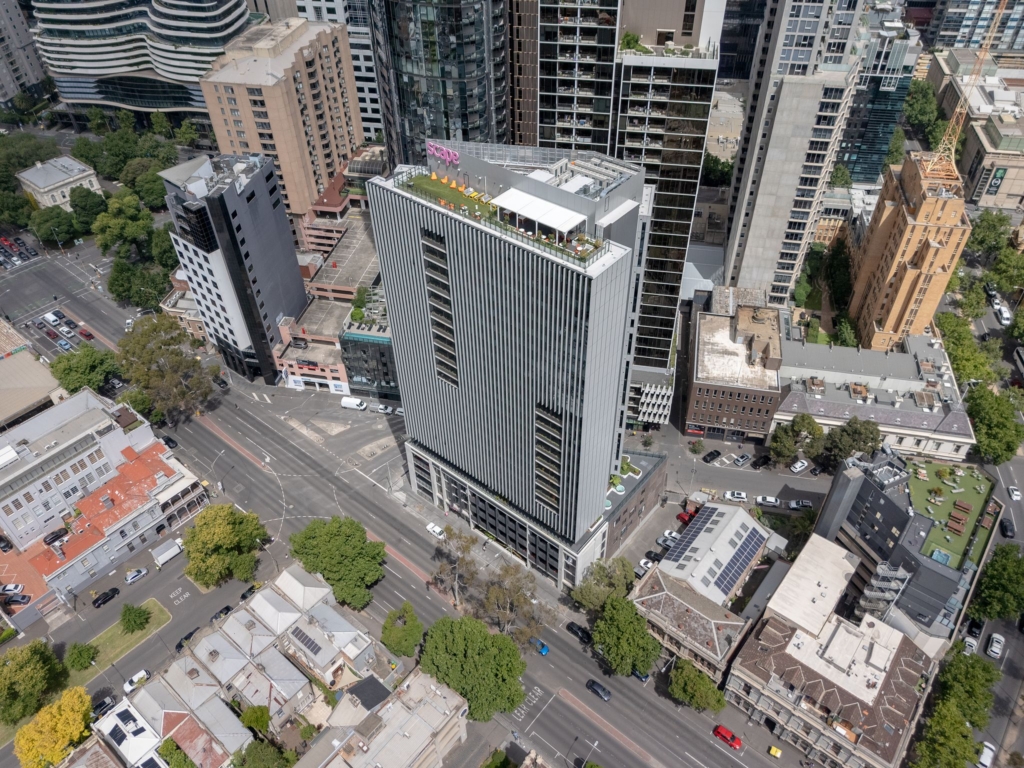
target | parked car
[
  {"x": 50, "y": 333},
  {"x": 767, "y": 501},
  {"x": 12, "y": 589},
  {"x": 169, "y": 441},
  {"x": 643, "y": 677},
  {"x": 1007, "y": 528},
  {"x": 798, "y": 467},
  {"x": 5, "y": 544},
  {"x": 54, "y": 536},
  {"x": 180, "y": 645},
  {"x": 711, "y": 456},
  {"x": 64, "y": 345},
  {"x": 70, "y": 323},
  {"x": 991, "y": 290},
  {"x": 738, "y": 496},
  {"x": 105, "y": 597},
  {"x": 58, "y": 314},
  {"x": 653, "y": 556},
  {"x": 975, "y": 627},
  {"x": 816, "y": 470},
  {"x": 665, "y": 541},
  {"x": 995, "y": 645},
  {"x": 581, "y": 633},
  {"x": 761, "y": 462},
  {"x": 970, "y": 646},
  {"x": 400, "y": 412},
  {"x": 673, "y": 535},
  {"x": 645, "y": 564},
  {"x": 67, "y": 333},
  {"x": 595, "y": 687},
  {"x": 800, "y": 504},
  {"x": 996, "y": 302},
  {"x": 103, "y": 706},
  {"x": 436, "y": 531},
  {"x": 33, "y": 251},
  {"x": 17, "y": 600},
  {"x": 135, "y": 575},
  {"x": 220, "y": 614},
  {"x": 1004, "y": 316},
  {"x": 40, "y": 325},
  {"x": 387, "y": 410},
  {"x": 86, "y": 334},
  {"x": 728, "y": 736},
  {"x": 742, "y": 459},
  {"x": 1014, "y": 492},
  {"x": 540, "y": 645},
  {"x": 220, "y": 382},
  {"x": 247, "y": 594},
  {"x": 139, "y": 678}
]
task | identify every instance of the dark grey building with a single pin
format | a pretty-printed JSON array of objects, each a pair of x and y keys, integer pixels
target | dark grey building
[
  {"x": 511, "y": 300},
  {"x": 369, "y": 357},
  {"x": 234, "y": 242},
  {"x": 868, "y": 511}
]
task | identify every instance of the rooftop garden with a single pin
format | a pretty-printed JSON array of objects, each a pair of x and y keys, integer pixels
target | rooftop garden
[
  {"x": 631, "y": 42},
  {"x": 460, "y": 199},
  {"x": 955, "y": 497}
]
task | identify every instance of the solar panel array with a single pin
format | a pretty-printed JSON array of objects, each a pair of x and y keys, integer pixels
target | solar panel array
[
  {"x": 126, "y": 717},
  {"x": 306, "y": 640},
  {"x": 117, "y": 735},
  {"x": 150, "y": 762},
  {"x": 693, "y": 530},
  {"x": 740, "y": 560}
]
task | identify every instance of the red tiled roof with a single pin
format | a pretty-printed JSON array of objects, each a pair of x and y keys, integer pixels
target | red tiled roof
[
  {"x": 196, "y": 742},
  {"x": 126, "y": 492},
  {"x": 47, "y": 562}
]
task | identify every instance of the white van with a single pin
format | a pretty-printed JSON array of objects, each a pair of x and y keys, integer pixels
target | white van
[
  {"x": 988, "y": 754},
  {"x": 353, "y": 402},
  {"x": 52, "y": 319}
]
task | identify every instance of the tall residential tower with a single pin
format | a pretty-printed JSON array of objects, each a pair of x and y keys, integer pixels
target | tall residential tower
[
  {"x": 234, "y": 243},
  {"x": 511, "y": 279}
]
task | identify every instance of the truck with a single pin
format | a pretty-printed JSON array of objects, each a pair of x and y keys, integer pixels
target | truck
[
  {"x": 167, "y": 551},
  {"x": 353, "y": 402}
]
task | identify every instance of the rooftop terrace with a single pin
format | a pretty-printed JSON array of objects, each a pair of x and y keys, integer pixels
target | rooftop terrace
[{"x": 725, "y": 358}]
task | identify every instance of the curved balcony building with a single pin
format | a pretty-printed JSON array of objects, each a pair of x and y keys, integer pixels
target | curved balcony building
[{"x": 142, "y": 55}]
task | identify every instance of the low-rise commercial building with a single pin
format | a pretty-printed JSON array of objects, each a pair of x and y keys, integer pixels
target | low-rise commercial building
[
  {"x": 846, "y": 694},
  {"x": 182, "y": 306},
  {"x": 367, "y": 352},
  {"x": 50, "y": 182},
  {"x": 27, "y": 387},
  {"x": 911, "y": 394},
  {"x": 309, "y": 354},
  {"x": 734, "y": 388}
]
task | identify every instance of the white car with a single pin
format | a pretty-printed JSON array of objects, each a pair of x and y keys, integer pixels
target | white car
[
  {"x": 1004, "y": 316},
  {"x": 400, "y": 412},
  {"x": 735, "y": 496},
  {"x": 136, "y": 680},
  {"x": 995, "y": 646},
  {"x": 12, "y": 589},
  {"x": 646, "y": 564},
  {"x": 135, "y": 575},
  {"x": 671, "y": 535},
  {"x": 767, "y": 501},
  {"x": 436, "y": 531},
  {"x": 1014, "y": 492},
  {"x": 799, "y": 467},
  {"x": 970, "y": 646},
  {"x": 387, "y": 410},
  {"x": 800, "y": 504},
  {"x": 67, "y": 333}
]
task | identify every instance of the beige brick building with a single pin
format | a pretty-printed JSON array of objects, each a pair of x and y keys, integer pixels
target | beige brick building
[
  {"x": 287, "y": 90},
  {"x": 902, "y": 264}
]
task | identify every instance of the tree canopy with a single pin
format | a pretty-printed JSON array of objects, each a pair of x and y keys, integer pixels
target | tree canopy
[
  {"x": 689, "y": 685},
  {"x": 855, "y": 436},
  {"x": 804, "y": 434},
  {"x": 262, "y": 754},
  {"x": 86, "y": 206},
  {"x": 483, "y": 668},
  {"x": 457, "y": 569},
  {"x": 86, "y": 366},
  {"x": 150, "y": 189},
  {"x": 80, "y": 655},
  {"x": 621, "y": 633},
  {"x": 716, "y": 172},
  {"x": 1007, "y": 271},
  {"x": 160, "y": 124},
  {"x": 257, "y": 717},
  {"x": 969, "y": 363},
  {"x": 53, "y": 225},
  {"x": 897, "y": 149},
  {"x": 163, "y": 248},
  {"x": 339, "y": 551},
  {"x": 223, "y": 545},
  {"x": 604, "y": 578},
  {"x": 19, "y": 151},
  {"x": 841, "y": 177},
  {"x": 55, "y": 730},
  {"x": 29, "y": 674},
  {"x": 920, "y": 108},
  {"x": 125, "y": 226},
  {"x": 972, "y": 302},
  {"x": 967, "y": 679},
  {"x": 1000, "y": 590},
  {"x": 402, "y": 631},
  {"x": 173, "y": 756},
  {"x": 990, "y": 232},
  {"x": 997, "y": 433},
  {"x": 152, "y": 357},
  {"x": 947, "y": 740},
  {"x": 134, "y": 618}
]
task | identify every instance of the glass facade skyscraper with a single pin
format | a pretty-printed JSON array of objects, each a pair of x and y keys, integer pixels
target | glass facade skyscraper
[{"x": 442, "y": 72}]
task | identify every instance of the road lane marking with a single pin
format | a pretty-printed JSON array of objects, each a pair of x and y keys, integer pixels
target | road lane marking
[{"x": 393, "y": 571}]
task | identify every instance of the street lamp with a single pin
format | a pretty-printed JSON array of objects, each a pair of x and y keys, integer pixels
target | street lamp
[
  {"x": 592, "y": 748},
  {"x": 60, "y": 243}
]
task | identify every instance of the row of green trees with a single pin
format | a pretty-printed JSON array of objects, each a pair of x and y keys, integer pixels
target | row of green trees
[
  {"x": 805, "y": 435},
  {"x": 922, "y": 112}
]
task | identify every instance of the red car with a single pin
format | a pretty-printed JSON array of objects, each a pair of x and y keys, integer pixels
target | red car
[
  {"x": 85, "y": 334},
  {"x": 51, "y": 333},
  {"x": 728, "y": 736},
  {"x": 7, "y": 242}
]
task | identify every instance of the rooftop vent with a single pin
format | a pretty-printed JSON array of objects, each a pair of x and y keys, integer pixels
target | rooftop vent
[{"x": 193, "y": 673}]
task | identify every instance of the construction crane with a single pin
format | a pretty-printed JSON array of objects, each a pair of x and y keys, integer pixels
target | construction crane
[{"x": 942, "y": 162}]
